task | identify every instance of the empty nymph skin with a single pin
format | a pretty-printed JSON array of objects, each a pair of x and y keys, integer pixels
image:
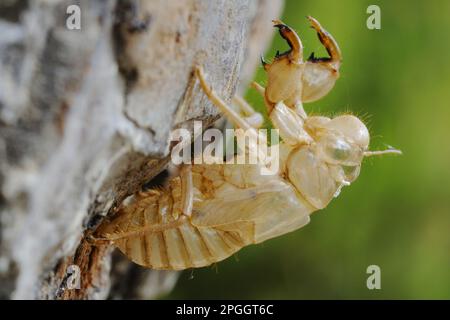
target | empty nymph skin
[{"x": 210, "y": 211}]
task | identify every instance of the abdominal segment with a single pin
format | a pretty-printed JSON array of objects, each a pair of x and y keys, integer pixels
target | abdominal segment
[
  {"x": 153, "y": 233},
  {"x": 181, "y": 248}
]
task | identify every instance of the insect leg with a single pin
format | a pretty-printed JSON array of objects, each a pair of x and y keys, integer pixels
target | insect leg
[
  {"x": 290, "y": 124},
  {"x": 300, "y": 110},
  {"x": 293, "y": 40},
  {"x": 329, "y": 43},
  {"x": 187, "y": 188},
  {"x": 262, "y": 91},
  {"x": 232, "y": 115},
  {"x": 255, "y": 119},
  {"x": 259, "y": 88}
]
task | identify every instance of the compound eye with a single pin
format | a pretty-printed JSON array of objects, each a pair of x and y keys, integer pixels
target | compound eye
[
  {"x": 339, "y": 150},
  {"x": 336, "y": 150}
]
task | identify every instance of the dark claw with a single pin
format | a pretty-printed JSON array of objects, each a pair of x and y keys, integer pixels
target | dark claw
[
  {"x": 328, "y": 42},
  {"x": 280, "y": 26},
  {"x": 292, "y": 39},
  {"x": 313, "y": 58},
  {"x": 263, "y": 62}
]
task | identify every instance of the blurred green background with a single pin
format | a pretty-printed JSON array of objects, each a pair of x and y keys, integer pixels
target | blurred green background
[{"x": 397, "y": 213}]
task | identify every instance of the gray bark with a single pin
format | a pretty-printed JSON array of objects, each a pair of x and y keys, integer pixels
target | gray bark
[{"x": 85, "y": 119}]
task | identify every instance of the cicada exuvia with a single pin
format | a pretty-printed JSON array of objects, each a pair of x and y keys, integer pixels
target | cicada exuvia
[{"x": 210, "y": 211}]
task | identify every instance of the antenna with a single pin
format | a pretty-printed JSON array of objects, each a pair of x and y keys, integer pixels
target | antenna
[{"x": 382, "y": 152}]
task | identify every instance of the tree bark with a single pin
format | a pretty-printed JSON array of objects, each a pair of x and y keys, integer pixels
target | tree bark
[{"x": 85, "y": 120}]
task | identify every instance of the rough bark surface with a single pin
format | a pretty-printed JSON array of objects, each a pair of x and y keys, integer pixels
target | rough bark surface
[{"x": 85, "y": 120}]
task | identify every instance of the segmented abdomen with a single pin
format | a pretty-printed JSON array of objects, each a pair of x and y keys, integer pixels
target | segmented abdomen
[{"x": 151, "y": 233}]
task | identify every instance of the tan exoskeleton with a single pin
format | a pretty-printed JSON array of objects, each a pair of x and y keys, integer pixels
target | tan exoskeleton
[
  {"x": 295, "y": 81},
  {"x": 209, "y": 212}
]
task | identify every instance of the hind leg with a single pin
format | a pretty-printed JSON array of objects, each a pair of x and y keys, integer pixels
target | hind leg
[
  {"x": 187, "y": 189},
  {"x": 233, "y": 116},
  {"x": 236, "y": 119},
  {"x": 255, "y": 119}
]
